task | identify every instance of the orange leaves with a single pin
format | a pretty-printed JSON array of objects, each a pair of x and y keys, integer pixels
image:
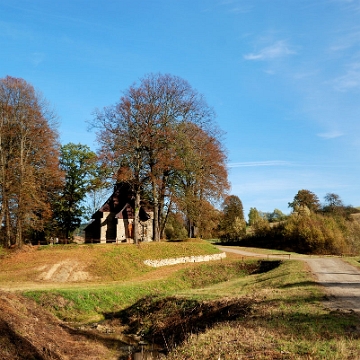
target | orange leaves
[
  {"x": 161, "y": 135},
  {"x": 29, "y": 157}
]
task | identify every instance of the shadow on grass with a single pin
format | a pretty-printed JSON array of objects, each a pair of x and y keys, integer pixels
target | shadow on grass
[
  {"x": 169, "y": 321},
  {"x": 345, "y": 285},
  {"x": 299, "y": 284},
  {"x": 266, "y": 266}
]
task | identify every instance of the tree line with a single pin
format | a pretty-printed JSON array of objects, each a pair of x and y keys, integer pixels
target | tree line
[
  {"x": 160, "y": 137},
  {"x": 311, "y": 227}
]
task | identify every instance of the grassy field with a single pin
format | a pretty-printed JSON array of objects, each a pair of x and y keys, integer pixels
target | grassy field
[
  {"x": 287, "y": 320},
  {"x": 230, "y": 309}
]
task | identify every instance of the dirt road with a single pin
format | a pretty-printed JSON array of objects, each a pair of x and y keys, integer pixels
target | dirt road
[{"x": 341, "y": 280}]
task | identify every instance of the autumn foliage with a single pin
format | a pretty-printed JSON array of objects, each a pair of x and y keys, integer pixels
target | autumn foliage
[
  {"x": 311, "y": 228},
  {"x": 162, "y": 136},
  {"x": 29, "y": 172}
]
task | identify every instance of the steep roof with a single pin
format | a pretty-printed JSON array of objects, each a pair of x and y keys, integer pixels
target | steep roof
[{"x": 122, "y": 202}]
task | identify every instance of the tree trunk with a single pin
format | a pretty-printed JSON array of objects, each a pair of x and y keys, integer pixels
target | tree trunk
[
  {"x": 164, "y": 221},
  {"x": 136, "y": 217},
  {"x": 156, "y": 213},
  {"x": 7, "y": 223},
  {"x": 190, "y": 228}
]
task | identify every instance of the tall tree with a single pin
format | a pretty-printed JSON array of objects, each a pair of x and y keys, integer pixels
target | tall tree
[
  {"x": 140, "y": 134},
  {"x": 203, "y": 174},
  {"x": 80, "y": 166},
  {"x": 29, "y": 171},
  {"x": 305, "y": 198},
  {"x": 254, "y": 216},
  {"x": 233, "y": 225}
]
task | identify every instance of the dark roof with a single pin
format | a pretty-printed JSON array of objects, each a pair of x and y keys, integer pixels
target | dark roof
[{"x": 122, "y": 202}]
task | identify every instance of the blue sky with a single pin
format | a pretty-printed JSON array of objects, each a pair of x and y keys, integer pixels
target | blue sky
[{"x": 282, "y": 75}]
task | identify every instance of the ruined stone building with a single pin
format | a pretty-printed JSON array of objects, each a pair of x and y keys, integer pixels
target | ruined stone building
[{"x": 114, "y": 221}]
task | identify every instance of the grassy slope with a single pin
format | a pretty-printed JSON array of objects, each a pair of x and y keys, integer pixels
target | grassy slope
[
  {"x": 288, "y": 321},
  {"x": 104, "y": 263},
  {"x": 287, "y": 318}
]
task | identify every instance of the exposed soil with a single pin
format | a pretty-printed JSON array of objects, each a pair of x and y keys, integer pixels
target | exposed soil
[
  {"x": 169, "y": 321},
  {"x": 29, "y": 332},
  {"x": 64, "y": 271}
]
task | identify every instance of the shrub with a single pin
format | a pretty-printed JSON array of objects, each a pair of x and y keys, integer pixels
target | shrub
[{"x": 312, "y": 234}]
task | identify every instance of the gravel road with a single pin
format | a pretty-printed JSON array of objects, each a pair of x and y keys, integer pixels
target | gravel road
[{"x": 341, "y": 280}]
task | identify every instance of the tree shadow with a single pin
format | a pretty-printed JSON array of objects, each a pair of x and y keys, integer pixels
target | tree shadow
[{"x": 169, "y": 321}]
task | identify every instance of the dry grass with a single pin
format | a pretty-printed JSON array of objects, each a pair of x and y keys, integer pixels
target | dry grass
[
  {"x": 209, "y": 311},
  {"x": 102, "y": 263}
]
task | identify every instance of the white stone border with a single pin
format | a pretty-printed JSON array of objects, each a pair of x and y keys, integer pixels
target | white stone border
[{"x": 185, "y": 259}]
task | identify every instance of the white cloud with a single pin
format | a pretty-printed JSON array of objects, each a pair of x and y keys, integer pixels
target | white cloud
[
  {"x": 331, "y": 134},
  {"x": 37, "y": 58},
  {"x": 278, "y": 50},
  {"x": 346, "y": 42},
  {"x": 350, "y": 80},
  {"x": 260, "y": 163}
]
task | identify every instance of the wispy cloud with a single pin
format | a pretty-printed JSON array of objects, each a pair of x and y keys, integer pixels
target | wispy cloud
[
  {"x": 350, "y": 80},
  {"x": 331, "y": 134},
  {"x": 37, "y": 58},
  {"x": 346, "y": 40},
  {"x": 236, "y": 6},
  {"x": 260, "y": 163},
  {"x": 277, "y": 50},
  {"x": 352, "y": 5}
]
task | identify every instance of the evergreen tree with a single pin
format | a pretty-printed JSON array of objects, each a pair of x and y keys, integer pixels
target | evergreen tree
[{"x": 81, "y": 170}]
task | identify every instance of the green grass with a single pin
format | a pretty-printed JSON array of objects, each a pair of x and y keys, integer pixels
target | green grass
[
  {"x": 287, "y": 320},
  {"x": 91, "y": 303},
  {"x": 355, "y": 261},
  {"x": 103, "y": 262}
]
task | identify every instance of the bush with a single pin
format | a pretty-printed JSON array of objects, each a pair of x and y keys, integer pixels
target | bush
[{"x": 313, "y": 234}]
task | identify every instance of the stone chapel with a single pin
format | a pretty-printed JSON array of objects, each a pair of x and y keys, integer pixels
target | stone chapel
[{"x": 114, "y": 221}]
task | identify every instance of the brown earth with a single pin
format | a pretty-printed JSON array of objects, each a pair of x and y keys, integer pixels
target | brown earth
[
  {"x": 64, "y": 271},
  {"x": 29, "y": 332}
]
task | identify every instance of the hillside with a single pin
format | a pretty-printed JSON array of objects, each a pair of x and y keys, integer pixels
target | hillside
[
  {"x": 54, "y": 274},
  {"x": 81, "y": 265},
  {"x": 29, "y": 332},
  {"x": 237, "y": 308}
]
